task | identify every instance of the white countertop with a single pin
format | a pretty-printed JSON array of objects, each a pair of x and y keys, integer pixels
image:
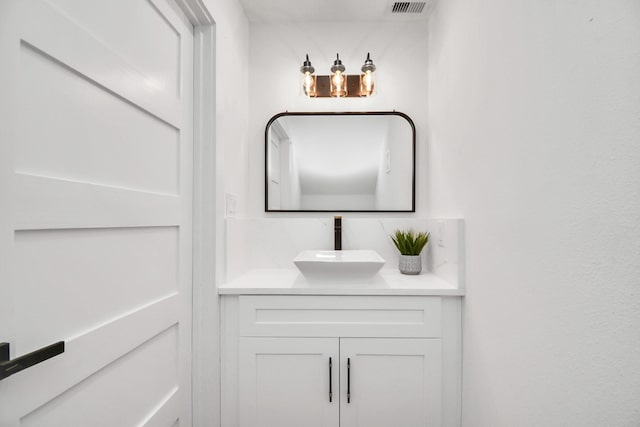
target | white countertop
[{"x": 290, "y": 282}]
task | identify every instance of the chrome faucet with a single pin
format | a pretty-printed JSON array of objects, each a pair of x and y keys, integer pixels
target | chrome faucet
[{"x": 337, "y": 233}]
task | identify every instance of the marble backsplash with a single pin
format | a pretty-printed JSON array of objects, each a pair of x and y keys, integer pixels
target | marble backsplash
[{"x": 274, "y": 242}]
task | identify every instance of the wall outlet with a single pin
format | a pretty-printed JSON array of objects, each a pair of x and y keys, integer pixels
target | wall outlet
[
  {"x": 441, "y": 227},
  {"x": 230, "y": 206},
  {"x": 387, "y": 161}
]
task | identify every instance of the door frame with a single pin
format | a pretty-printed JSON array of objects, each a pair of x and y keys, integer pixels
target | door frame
[{"x": 205, "y": 376}]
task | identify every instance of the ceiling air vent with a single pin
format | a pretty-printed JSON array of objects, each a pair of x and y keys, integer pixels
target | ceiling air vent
[{"x": 408, "y": 7}]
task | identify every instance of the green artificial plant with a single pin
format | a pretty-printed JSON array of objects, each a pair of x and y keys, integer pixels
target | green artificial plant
[{"x": 410, "y": 242}]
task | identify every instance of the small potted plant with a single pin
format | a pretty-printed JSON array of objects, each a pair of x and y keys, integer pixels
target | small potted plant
[{"x": 410, "y": 244}]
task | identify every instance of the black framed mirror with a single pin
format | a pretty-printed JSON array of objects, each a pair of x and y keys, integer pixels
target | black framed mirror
[{"x": 340, "y": 162}]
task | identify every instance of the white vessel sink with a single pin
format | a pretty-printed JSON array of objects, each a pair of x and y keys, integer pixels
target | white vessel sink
[{"x": 338, "y": 265}]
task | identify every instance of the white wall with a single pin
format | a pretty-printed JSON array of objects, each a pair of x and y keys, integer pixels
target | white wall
[
  {"x": 534, "y": 119},
  {"x": 276, "y": 54},
  {"x": 232, "y": 47},
  {"x": 391, "y": 186},
  {"x": 347, "y": 201}
]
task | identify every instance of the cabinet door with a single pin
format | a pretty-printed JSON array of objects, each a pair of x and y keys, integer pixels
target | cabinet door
[
  {"x": 285, "y": 382},
  {"x": 390, "y": 382}
]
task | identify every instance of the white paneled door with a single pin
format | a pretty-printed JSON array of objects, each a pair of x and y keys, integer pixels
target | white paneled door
[{"x": 95, "y": 211}]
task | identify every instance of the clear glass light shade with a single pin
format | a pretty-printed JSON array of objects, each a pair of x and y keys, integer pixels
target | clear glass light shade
[
  {"x": 367, "y": 79},
  {"x": 367, "y": 83},
  {"x": 338, "y": 84},
  {"x": 309, "y": 85}
]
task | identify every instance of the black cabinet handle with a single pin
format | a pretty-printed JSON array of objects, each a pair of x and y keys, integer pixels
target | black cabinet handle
[
  {"x": 348, "y": 380},
  {"x": 330, "y": 381},
  {"x": 10, "y": 367}
]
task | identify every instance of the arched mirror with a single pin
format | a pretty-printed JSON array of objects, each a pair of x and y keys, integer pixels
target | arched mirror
[{"x": 340, "y": 162}]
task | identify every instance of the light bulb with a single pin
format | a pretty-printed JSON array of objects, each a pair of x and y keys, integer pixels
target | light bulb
[
  {"x": 338, "y": 79},
  {"x": 367, "y": 79},
  {"x": 309, "y": 84},
  {"x": 338, "y": 84},
  {"x": 308, "y": 79},
  {"x": 367, "y": 83}
]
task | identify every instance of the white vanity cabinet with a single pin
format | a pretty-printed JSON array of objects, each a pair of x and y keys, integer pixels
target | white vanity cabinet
[
  {"x": 348, "y": 382},
  {"x": 340, "y": 360},
  {"x": 393, "y": 382},
  {"x": 285, "y": 382}
]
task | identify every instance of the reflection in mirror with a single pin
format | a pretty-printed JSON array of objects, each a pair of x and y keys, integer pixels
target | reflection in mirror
[{"x": 340, "y": 162}]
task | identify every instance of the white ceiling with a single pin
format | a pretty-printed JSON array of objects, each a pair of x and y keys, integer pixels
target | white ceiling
[{"x": 294, "y": 11}]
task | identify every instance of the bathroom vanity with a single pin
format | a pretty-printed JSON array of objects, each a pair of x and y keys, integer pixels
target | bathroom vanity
[
  {"x": 381, "y": 353},
  {"x": 336, "y": 350}
]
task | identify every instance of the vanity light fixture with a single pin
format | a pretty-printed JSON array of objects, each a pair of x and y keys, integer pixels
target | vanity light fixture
[{"x": 338, "y": 84}]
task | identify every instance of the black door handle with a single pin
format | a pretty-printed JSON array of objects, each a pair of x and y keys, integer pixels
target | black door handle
[
  {"x": 348, "y": 380},
  {"x": 10, "y": 367},
  {"x": 330, "y": 381}
]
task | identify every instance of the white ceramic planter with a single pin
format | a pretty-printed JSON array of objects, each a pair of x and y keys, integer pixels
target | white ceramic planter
[{"x": 410, "y": 264}]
